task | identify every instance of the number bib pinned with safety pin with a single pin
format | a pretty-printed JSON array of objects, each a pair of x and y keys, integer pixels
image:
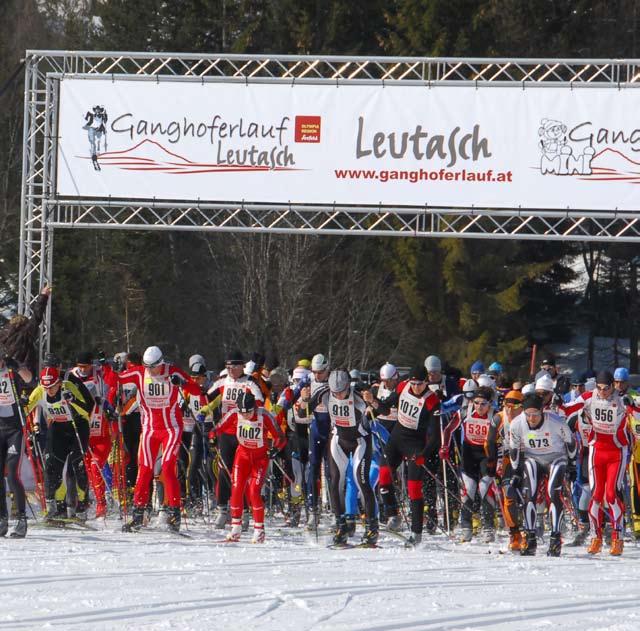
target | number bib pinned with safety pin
[
  {"x": 250, "y": 433},
  {"x": 409, "y": 409},
  {"x": 342, "y": 411}
]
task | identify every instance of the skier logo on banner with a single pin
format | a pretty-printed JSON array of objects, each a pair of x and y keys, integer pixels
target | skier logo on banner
[
  {"x": 557, "y": 154},
  {"x": 96, "y": 126}
]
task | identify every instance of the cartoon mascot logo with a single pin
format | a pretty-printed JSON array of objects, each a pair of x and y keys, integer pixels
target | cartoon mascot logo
[{"x": 558, "y": 156}]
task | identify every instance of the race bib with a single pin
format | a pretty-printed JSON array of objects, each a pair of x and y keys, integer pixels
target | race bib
[
  {"x": 538, "y": 441},
  {"x": 95, "y": 423},
  {"x": 476, "y": 430},
  {"x": 584, "y": 429},
  {"x": 6, "y": 389},
  {"x": 342, "y": 412},
  {"x": 58, "y": 412},
  {"x": 603, "y": 416},
  {"x": 157, "y": 393},
  {"x": 249, "y": 433},
  {"x": 230, "y": 396},
  {"x": 409, "y": 409}
]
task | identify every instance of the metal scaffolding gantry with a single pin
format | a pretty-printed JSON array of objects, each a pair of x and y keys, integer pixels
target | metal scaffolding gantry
[{"x": 43, "y": 211}]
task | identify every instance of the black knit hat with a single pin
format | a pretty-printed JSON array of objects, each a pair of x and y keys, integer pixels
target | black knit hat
[
  {"x": 419, "y": 373},
  {"x": 235, "y": 358},
  {"x": 532, "y": 401}
]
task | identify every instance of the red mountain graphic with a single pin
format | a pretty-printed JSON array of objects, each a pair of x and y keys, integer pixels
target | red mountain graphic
[
  {"x": 149, "y": 155},
  {"x": 611, "y": 164}
]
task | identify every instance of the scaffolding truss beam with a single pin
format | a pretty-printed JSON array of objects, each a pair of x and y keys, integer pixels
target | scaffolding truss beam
[{"x": 42, "y": 211}]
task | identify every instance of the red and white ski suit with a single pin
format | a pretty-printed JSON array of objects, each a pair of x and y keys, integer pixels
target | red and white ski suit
[
  {"x": 251, "y": 460},
  {"x": 608, "y": 446},
  {"x": 98, "y": 383},
  {"x": 162, "y": 424}
]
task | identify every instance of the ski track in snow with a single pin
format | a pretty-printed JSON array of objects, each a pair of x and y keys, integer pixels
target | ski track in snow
[{"x": 106, "y": 580}]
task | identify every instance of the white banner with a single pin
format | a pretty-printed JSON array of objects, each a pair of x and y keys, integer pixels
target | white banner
[{"x": 495, "y": 147}]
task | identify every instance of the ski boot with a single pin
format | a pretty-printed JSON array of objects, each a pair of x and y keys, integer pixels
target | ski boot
[
  {"x": 236, "y": 530},
  {"x": 295, "y": 511},
  {"x": 617, "y": 544},
  {"x": 431, "y": 521},
  {"x": 515, "y": 540},
  {"x": 555, "y": 545},
  {"x": 101, "y": 509},
  {"x": 342, "y": 534},
  {"x": 530, "y": 544},
  {"x": 173, "y": 519},
  {"x": 466, "y": 534},
  {"x": 223, "y": 518},
  {"x": 60, "y": 509},
  {"x": 596, "y": 545},
  {"x": 20, "y": 529},
  {"x": 488, "y": 535},
  {"x": 52, "y": 511},
  {"x": 135, "y": 523},
  {"x": 414, "y": 540},
  {"x": 370, "y": 537},
  {"x": 4, "y": 526},
  {"x": 581, "y": 535},
  {"x": 351, "y": 525},
  {"x": 394, "y": 523},
  {"x": 312, "y": 521},
  {"x": 80, "y": 512},
  {"x": 258, "y": 534},
  {"x": 246, "y": 518}
]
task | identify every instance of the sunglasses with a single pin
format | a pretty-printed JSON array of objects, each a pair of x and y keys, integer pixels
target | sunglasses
[
  {"x": 533, "y": 414},
  {"x": 481, "y": 402},
  {"x": 415, "y": 384},
  {"x": 603, "y": 388},
  {"x": 512, "y": 403}
]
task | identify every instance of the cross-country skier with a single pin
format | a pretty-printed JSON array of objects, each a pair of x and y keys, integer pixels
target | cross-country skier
[
  {"x": 541, "y": 447},
  {"x": 14, "y": 382},
  {"x": 65, "y": 406},
  {"x": 252, "y": 425},
  {"x": 416, "y": 433},
  {"x": 224, "y": 392},
  {"x": 350, "y": 436},
  {"x": 158, "y": 384},
  {"x": 606, "y": 413}
]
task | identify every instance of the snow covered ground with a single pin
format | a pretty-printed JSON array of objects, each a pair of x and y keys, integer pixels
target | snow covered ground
[{"x": 110, "y": 580}]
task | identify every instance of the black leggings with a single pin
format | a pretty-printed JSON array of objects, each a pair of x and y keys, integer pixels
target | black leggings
[
  {"x": 62, "y": 443},
  {"x": 227, "y": 445},
  {"x": 200, "y": 471},
  {"x": 131, "y": 430},
  {"x": 11, "y": 449}
]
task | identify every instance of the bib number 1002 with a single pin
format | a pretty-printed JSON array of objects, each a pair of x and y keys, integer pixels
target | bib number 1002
[{"x": 250, "y": 432}]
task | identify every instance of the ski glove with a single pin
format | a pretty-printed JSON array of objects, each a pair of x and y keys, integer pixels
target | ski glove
[
  {"x": 200, "y": 418},
  {"x": 176, "y": 379},
  {"x": 491, "y": 469},
  {"x": 572, "y": 472},
  {"x": 68, "y": 396},
  {"x": 444, "y": 453},
  {"x": 273, "y": 452},
  {"x": 514, "y": 486}
]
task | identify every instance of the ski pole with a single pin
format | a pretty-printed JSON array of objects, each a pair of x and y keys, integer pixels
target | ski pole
[
  {"x": 437, "y": 481},
  {"x": 445, "y": 477},
  {"x": 38, "y": 472}
]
